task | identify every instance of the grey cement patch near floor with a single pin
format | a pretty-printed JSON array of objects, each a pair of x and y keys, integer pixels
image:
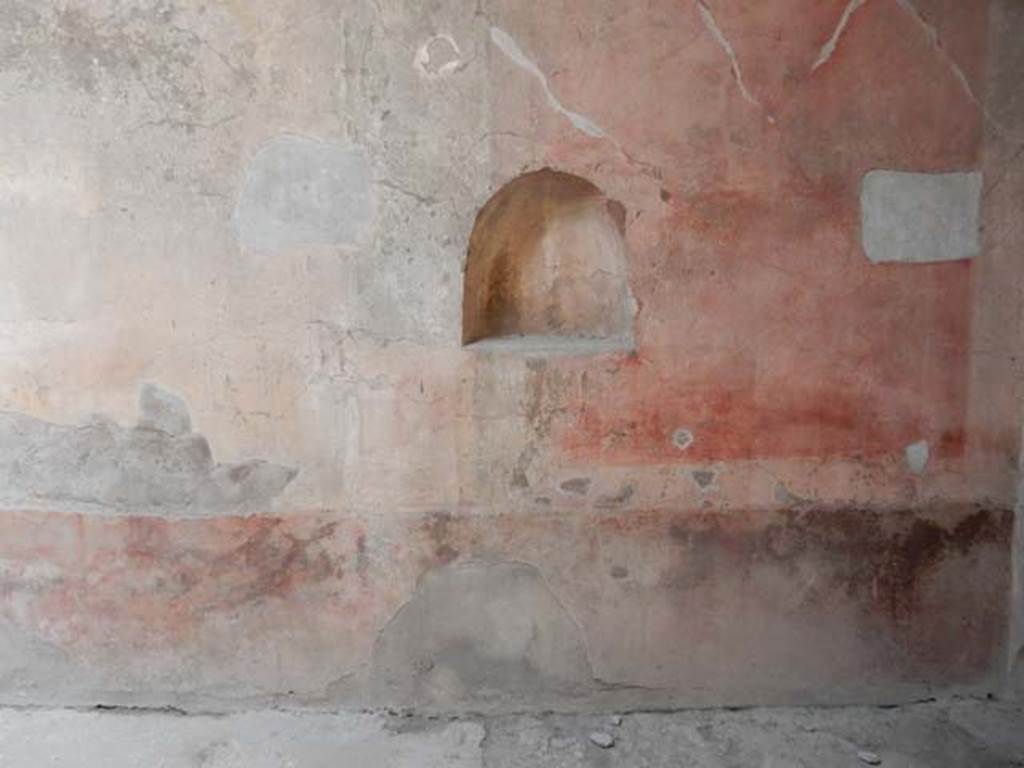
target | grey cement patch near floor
[{"x": 938, "y": 735}]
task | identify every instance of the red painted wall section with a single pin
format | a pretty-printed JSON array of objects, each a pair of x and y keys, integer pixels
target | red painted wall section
[{"x": 762, "y": 326}]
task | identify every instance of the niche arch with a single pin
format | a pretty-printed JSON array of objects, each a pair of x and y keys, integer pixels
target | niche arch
[{"x": 547, "y": 268}]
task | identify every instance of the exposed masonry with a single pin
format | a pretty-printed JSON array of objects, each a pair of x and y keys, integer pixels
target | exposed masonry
[
  {"x": 157, "y": 467},
  {"x": 830, "y": 45},
  {"x": 511, "y": 49}
]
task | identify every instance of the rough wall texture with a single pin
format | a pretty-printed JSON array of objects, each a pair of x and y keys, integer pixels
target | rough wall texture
[
  {"x": 1000, "y": 319},
  {"x": 241, "y": 227}
]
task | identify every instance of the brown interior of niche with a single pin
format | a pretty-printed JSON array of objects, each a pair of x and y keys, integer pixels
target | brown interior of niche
[{"x": 547, "y": 258}]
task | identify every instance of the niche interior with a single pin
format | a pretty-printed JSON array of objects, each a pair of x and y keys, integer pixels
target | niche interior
[{"x": 547, "y": 268}]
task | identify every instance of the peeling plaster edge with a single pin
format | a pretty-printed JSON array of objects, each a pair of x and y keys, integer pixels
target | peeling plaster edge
[
  {"x": 830, "y": 45},
  {"x": 723, "y": 42},
  {"x": 511, "y": 49},
  {"x": 932, "y": 33},
  {"x": 507, "y": 44}
]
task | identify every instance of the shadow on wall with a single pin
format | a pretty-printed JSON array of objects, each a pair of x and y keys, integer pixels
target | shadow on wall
[
  {"x": 547, "y": 259},
  {"x": 480, "y": 635},
  {"x": 1017, "y": 676},
  {"x": 158, "y": 466}
]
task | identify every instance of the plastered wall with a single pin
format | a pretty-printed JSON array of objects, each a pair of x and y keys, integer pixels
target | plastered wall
[{"x": 245, "y": 456}]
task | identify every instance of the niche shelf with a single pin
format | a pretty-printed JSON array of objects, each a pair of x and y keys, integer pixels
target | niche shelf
[{"x": 546, "y": 270}]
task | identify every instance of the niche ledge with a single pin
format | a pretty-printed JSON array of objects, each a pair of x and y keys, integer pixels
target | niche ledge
[{"x": 552, "y": 346}]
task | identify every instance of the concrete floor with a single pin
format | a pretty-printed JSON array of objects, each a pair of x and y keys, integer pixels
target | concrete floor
[{"x": 948, "y": 734}]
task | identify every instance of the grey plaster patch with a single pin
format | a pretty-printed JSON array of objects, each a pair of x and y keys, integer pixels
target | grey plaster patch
[
  {"x": 917, "y": 455},
  {"x": 625, "y": 493},
  {"x": 703, "y": 478},
  {"x": 163, "y": 410},
  {"x": 155, "y": 467},
  {"x": 301, "y": 191},
  {"x": 785, "y": 496},
  {"x": 480, "y": 635},
  {"x": 920, "y": 217}
]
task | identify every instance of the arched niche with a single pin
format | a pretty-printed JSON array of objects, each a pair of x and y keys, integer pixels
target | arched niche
[{"x": 547, "y": 268}]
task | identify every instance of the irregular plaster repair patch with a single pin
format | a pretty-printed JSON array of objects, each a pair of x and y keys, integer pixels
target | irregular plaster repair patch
[
  {"x": 480, "y": 633},
  {"x": 301, "y": 191},
  {"x": 919, "y": 218},
  {"x": 157, "y": 467}
]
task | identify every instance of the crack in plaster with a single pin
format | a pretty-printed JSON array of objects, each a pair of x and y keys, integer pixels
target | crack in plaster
[
  {"x": 723, "y": 42},
  {"x": 830, "y": 45},
  {"x": 581, "y": 122},
  {"x": 511, "y": 49},
  {"x": 932, "y": 33}
]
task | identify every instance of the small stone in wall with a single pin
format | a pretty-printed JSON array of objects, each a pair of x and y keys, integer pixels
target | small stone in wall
[
  {"x": 703, "y": 478},
  {"x": 576, "y": 485},
  {"x": 439, "y": 56},
  {"x": 625, "y": 493},
  {"x": 870, "y": 758},
  {"x": 682, "y": 438}
]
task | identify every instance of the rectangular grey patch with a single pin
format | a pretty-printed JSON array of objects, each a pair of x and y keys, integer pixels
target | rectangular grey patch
[{"x": 919, "y": 218}]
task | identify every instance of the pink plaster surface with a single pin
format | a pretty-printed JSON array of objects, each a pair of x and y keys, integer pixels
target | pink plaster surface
[{"x": 762, "y": 326}]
